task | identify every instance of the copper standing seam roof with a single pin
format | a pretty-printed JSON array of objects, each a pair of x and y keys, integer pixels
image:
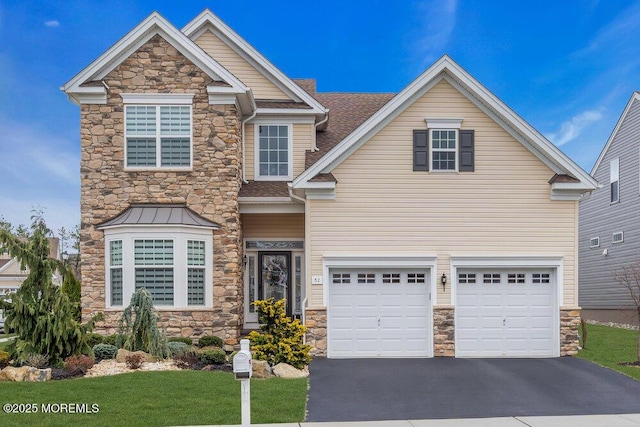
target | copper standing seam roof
[{"x": 159, "y": 214}]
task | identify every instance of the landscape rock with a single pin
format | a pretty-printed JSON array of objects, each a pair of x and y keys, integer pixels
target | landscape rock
[
  {"x": 38, "y": 375},
  {"x": 284, "y": 370},
  {"x": 121, "y": 356},
  {"x": 261, "y": 369},
  {"x": 15, "y": 374}
]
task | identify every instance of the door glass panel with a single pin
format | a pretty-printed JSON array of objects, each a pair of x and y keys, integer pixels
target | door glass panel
[
  {"x": 297, "y": 310},
  {"x": 275, "y": 276},
  {"x": 252, "y": 283}
]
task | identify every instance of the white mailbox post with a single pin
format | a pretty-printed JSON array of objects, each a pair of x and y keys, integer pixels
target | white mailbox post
[{"x": 242, "y": 369}]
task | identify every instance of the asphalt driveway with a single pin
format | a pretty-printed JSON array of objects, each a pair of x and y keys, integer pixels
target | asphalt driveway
[{"x": 400, "y": 389}]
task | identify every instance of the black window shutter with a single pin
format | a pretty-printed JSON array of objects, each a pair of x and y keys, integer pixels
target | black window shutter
[
  {"x": 466, "y": 151},
  {"x": 420, "y": 150}
]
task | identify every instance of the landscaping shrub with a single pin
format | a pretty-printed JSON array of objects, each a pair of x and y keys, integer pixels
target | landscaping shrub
[
  {"x": 188, "y": 360},
  {"x": 39, "y": 361},
  {"x": 177, "y": 347},
  {"x": 94, "y": 339},
  {"x": 110, "y": 339},
  {"x": 105, "y": 351},
  {"x": 185, "y": 340},
  {"x": 138, "y": 327},
  {"x": 281, "y": 337},
  {"x": 5, "y": 358},
  {"x": 78, "y": 364},
  {"x": 213, "y": 357},
  {"x": 134, "y": 361},
  {"x": 210, "y": 341}
]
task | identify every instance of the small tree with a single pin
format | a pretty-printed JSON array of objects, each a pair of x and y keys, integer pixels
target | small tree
[
  {"x": 41, "y": 314},
  {"x": 138, "y": 328},
  {"x": 281, "y": 337},
  {"x": 629, "y": 277}
]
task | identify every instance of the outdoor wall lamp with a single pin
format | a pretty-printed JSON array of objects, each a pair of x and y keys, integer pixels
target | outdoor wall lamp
[
  {"x": 244, "y": 260},
  {"x": 443, "y": 280}
]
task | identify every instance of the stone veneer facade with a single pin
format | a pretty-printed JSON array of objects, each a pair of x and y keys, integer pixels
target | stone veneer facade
[
  {"x": 316, "y": 323},
  {"x": 210, "y": 188},
  {"x": 444, "y": 331},
  {"x": 569, "y": 324}
]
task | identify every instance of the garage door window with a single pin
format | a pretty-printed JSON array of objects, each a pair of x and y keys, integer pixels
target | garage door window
[
  {"x": 366, "y": 278},
  {"x": 391, "y": 278},
  {"x": 466, "y": 278},
  {"x": 341, "y": 278},
  {"x": 415, "y": 278},
  {"x": 491, "y": 278},
  {"x": 515, "y": 278},
  {"x": 541, "y": 278}
]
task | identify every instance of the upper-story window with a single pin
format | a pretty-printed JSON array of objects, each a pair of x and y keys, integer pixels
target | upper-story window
[
  {"x": 444, "y": 149},
  {"x": 158, "y": 131},
  {"x": 614, "y": 179},
  {"x": 274, "y": 152}
]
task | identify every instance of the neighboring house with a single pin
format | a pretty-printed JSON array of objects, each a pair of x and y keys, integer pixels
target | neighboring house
[
  {"x": 609, "y": 223},
  {"x": 12, "y": 275},
  {"x": 432, "y": 222}
]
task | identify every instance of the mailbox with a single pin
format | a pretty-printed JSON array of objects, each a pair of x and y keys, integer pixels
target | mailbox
[{"x": 242, "y": 362}]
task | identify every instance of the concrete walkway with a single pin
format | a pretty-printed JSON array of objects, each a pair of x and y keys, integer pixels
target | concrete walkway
[{"x": 621, "y": 420}]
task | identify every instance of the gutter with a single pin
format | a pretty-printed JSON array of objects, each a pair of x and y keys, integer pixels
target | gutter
[
  {"x": 255, "y": 111},
  {"x": 304, "y": 301},
  {"x": 326, "y": 117}
]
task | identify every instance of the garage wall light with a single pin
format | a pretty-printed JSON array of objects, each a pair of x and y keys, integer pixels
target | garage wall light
[{"x": 443, "y": 280}]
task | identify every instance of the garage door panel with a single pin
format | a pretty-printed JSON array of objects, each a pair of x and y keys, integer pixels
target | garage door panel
[
  {"x": 513, "y": 318},
  {"x": 387, "y": 319}
]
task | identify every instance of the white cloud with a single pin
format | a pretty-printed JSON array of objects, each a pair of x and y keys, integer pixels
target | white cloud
[
  {"x": 437, "y": 20},
  {"x": 52, "y": 23},
  {"x": 572, "y": 128}
]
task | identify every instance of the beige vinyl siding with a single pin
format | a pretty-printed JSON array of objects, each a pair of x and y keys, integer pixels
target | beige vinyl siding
[
  {"x": 503, "y": 208},
  {"x": 273, "y": 226},
  {"x": 302, "y": 141},
  {"x": 262, "y": 87}
]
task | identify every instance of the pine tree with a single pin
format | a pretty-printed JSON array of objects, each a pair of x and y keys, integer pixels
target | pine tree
[
  {"x": 40, "y": 313},
  {"x": 138, "y": 327}
]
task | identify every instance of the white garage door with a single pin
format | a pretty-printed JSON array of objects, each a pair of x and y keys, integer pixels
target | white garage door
[
  {"x": 378, "y": 313},
  {"x": 505, "y": 313}
]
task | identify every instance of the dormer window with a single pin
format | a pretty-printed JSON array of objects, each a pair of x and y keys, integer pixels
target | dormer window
[{"x": 274, "y": 153}]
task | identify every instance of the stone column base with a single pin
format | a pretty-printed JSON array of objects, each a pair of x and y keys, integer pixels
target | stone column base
[
  {"x": 444, "y": 343},
  {"x": 569, "y": 324},
  {"x": 316, "y": 323}
]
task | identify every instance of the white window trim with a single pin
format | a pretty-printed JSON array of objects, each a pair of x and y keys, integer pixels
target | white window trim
[
  {"x": 613, "y": 237},
  {"x": 157, "y": 100},
  {"x": 256, "y": 145},
  {"x": 180, "y": 236},
  {"x": 614, "y": 176},
  {"x": 444, "y": 150},
  {"x": 597, "y": 245}
]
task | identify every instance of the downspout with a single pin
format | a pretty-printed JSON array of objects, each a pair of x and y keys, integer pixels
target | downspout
[
  {"x": 326, "y": 117},
  {"x": 255, "y": 111},
  {"x": 304, "y": 301}
]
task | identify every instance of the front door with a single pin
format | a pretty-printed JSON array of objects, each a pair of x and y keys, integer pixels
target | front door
[{"x": 274, "y": 278}]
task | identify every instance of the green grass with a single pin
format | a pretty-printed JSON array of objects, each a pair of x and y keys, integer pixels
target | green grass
[
  {"x": 157, "y": 399},
  {"x": 607, "y": 346}
]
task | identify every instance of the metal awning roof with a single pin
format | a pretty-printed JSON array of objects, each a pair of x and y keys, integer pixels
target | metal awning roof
[{"x": 159, "y": 214}]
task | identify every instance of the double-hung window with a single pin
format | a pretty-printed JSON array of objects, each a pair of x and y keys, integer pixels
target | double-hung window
[
  {"x": 614, "y": 179},
  {"x": 274, "y": 152},
  {"x": 444, "y": 149},
  {"x": 158, "y": 131},
  {"x": 154, "y": 269}
]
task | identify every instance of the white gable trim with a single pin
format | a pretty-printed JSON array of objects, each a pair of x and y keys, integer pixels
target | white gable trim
[
  {"x": 153, "y": 25},
  {"x": 208, "y": 21},
  {"x": 634, "y": 97},
  {"x": 446, "y": 68}
]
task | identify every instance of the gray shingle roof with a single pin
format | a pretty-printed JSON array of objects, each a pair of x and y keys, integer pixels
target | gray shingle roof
[{"x": 159, "y": 214}]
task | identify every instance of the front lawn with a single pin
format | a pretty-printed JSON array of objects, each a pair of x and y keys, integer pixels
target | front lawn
[
  {"x": 156, "y": 399},
  {"x": 607, "y": 346}
]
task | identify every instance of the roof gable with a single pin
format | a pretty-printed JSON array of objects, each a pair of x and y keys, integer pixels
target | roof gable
[
  {"x": 85, "y": 86},
  {"x": 446, "y": 68},
  {"x": 635, "y": 97},
  {"x": 208, "y": 21}
]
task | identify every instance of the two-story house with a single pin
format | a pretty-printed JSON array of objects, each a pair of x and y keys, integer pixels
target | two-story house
[
  {"x": 609, "y": 223},
  {"x": 432, "y": 222}
]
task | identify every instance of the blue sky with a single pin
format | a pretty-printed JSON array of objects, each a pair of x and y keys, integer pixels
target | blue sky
[{"x": 567, "y": 67}]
